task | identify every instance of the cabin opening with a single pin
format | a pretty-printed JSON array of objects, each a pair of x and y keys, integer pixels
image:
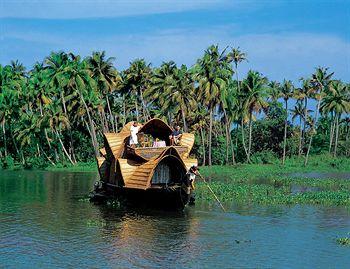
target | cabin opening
[
  {"x": 158, "y": 130},
  {"x": 169, "y": 171}
]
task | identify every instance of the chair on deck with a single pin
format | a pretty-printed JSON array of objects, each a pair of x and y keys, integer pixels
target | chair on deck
[{"x": 144, "y": 140}]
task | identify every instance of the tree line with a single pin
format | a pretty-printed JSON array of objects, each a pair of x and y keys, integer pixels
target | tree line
[{"x": 57, "y": 111}]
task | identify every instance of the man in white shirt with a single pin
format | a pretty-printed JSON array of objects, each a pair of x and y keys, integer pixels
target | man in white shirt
[
  {"x": 134, "y": 129},
  {"x": 188, "y": 184}
]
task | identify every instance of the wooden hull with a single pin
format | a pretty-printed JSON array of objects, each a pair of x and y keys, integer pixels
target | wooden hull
[{"x": 171, "y": 198}]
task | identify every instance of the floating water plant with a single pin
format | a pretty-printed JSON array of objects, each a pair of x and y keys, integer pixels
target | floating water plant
[{"x": 344, "y": 241}]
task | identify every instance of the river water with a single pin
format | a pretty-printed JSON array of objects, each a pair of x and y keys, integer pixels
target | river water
[{"x": 45, "y": 223}]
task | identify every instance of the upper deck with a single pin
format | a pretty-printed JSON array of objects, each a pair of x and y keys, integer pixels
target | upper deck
[{"x": 151, "y": 152}]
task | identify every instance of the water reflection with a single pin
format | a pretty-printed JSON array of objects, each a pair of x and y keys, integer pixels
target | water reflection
[{"x": 150, "y": 237}]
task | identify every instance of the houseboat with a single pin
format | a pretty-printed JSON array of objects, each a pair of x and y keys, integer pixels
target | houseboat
[{"x": 149, "y": 173}]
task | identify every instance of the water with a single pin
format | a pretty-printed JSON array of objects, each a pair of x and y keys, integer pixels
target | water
[
  {"x": 321, "y": 175},
  {"x": 45, "y": 224}
]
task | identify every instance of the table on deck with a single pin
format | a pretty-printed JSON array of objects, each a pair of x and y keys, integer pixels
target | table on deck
[{"x": 159, "y": 144}]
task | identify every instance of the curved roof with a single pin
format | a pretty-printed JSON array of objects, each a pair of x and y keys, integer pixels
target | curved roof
[
  {"x": 157, "y": 128},
  {"x": 114, "y": 142},
  {"x": 188, "y": 141},
  {"x": 140, "y": 176}
]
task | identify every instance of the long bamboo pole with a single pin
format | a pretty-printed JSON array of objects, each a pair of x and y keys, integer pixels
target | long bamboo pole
[{"x": 216, "y": 198}]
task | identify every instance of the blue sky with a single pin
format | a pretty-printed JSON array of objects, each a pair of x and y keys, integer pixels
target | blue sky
[{"x": 283, "y": 39}]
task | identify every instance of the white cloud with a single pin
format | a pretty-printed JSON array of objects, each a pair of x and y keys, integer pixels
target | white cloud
[{"x": 278, "y": 56}]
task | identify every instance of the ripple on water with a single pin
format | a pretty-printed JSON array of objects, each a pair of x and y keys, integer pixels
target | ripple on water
[{"x": 43, "y": 224}]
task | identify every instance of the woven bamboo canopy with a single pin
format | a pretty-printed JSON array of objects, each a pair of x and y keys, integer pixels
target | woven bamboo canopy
[{"x": 120, "y": 169}]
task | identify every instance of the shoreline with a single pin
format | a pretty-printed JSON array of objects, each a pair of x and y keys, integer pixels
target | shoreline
[{"x": 266, "y": 184}]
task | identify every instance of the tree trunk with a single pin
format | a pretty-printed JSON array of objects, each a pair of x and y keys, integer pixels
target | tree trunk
[
  {"x": 110, "y": 114},
  {"x": 312, "y": 135},
  {"x": 250, "y": 134},
  {"x": 210, "y": 135},
  {"x": 203, "y": 145},
  {"x": 285, "y": 133},
  {"x": 184, "y": 120},
  {"x": 331, "y": 134},
  {"x": 124, "y": 111},
  {"x": 305, "y": 120},
  {"x": 228, "y": 139},
  {"x": 47, "y": 157},
  {"x": 243, "y": 142},
  {"x": 63, "y": 147},
  {"x": 18, "y": 150},
  {"x": 336, "y": 136},
  {"x": 145, "y": 110},
  {"x": 92, "y": 127},
  {"x": 4, "y": 132},
  {"x": 69, "y": 128},
  {"x": 300, "y": 136},
  {"x": 232, "y": 148},
  {"x": 347, "y": 139},
  {"x": 137, "y": 110}
]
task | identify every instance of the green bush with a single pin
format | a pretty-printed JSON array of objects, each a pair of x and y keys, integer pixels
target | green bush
[
  {"x": 35, "y": 162},
  {"x": 264, "y": 157},
  {"x": 8, "y": 163}
]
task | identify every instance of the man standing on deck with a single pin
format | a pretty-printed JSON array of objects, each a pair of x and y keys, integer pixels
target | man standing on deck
[
  {"x": 134, "y": 129},
  {"x": 175, "y": 137}
]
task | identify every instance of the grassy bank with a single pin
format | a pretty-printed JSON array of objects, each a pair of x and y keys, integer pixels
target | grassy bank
[{"x": 277, "y": 184}]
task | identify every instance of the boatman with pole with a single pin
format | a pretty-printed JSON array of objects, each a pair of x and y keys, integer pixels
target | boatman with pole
[{"x": 188, "y": 184}]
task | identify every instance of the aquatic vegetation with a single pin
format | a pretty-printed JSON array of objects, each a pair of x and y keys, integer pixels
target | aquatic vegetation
[
  {"x": 344, "y": 241},
  {"x": 265, "y": 194},
  {"x": 272, "y": 184}
]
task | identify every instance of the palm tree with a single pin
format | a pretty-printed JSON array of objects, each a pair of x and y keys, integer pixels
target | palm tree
[
  {"x": 172, "y": 89},
  {"x": 254, "y": 99},
  {"x": 286, "y": 92},
  {"x": 336, "y": 101},
  {"x": 274, "y": 92},
  {"x": 163, "y": 81},
  {"x": 320, "y": 80},
  {"x": 298, "y": 112},
  {"x": 106, "y": 77},
  {"x": 75, "y": 79},
  {"x": 12, "y": 84},
  {"x": 237, "y": 56},
  {"x": 137, "y": 79},
  {"x": 302, "y": 94},
  {"x": 212, "y": 72}
]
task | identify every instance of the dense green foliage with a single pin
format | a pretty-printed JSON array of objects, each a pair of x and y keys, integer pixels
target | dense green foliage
[{"x": 56, "y": 112}]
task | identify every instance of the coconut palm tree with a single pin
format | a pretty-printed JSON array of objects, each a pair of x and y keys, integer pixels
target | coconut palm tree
[
  {"x": 136, "y": 81},
  {"x": 161, "y": 85},
  {"x": 303, "y": 94},
  {"x": 172, "y": 89},
  {"x": 336, "y": 101},
  {"x": 298, "y": 112},
  {"x": 254, "y": 93},
  {"x": 237, "y": 57},
  {"x": 320, "y": 80},
  {"x": 212, "y": 72},
  {"x": 286, "y": 91},
  {"x": 106, "y": 77},
  {"x": 274, "y": 91}
]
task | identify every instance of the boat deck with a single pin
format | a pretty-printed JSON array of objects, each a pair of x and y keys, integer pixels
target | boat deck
[{"x": 150, "y": 152}]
